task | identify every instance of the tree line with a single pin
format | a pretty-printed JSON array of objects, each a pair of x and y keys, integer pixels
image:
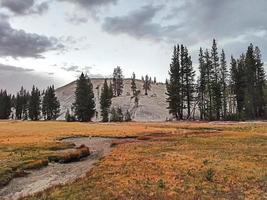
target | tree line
[
  {"x": 221, "y": 92},
  {"x": 32, "y": 105},
  {"x": 35, "y": 105}
]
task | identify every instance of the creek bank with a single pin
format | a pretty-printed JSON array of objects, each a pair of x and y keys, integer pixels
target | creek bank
[{"x": 60, "y": 173}]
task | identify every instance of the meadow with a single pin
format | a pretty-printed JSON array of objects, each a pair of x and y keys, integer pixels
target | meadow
[{"x": 183, "y": 160}]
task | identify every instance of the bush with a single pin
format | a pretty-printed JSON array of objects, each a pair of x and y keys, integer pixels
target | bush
[
  {"x": 209, "y": 174},
  {"x": 161, "y": 184},
  {"x": 69, "y": 117},
  {"x": 235, "y": 117},
  {"x": 116, "y": 115}
]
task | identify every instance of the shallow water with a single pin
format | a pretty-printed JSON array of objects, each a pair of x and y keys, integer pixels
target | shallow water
[{"x": 54, "y": 173}]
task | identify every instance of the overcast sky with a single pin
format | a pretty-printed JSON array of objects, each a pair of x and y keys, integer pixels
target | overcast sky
[{"x": 46, "y": 42}]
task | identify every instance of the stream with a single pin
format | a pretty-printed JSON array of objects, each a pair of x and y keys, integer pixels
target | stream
[{"x": 55, "y": 174}]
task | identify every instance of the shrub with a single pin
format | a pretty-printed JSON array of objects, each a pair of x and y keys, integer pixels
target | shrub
[
  {"x": 116, "y": 115},
  {"x": 161, "y": 184},
  {"x": 209, "y": 174},
  {"x": 69, "y": 117}
]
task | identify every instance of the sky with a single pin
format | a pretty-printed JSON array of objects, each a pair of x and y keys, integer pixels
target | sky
[{"x": 44, "y": 42}]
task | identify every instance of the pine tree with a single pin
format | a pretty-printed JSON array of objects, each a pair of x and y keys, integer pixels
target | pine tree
[
  {"x": 174, "y": 90},
  {"x": 117, "y": 81},
  {"x": 35, "y": 104},
  {"x": 183, "y": 59},
  {"x": 209, "y": 85},
  {"x": 147, "y": 84},
  {"x": 250, "y": 74},
  {"x": 216, "y": 86},
  {"x": 133, "y": 84},
  {"x": 202, "y": 86},
  {"x": 5, "y": 105},
  {"x": 189, "y": 88},
  {"x": 260, "y": 85},
  {"x": 223, "y": 83},
  {"x": 111, "y": 90},
  {"x": 50, "y": 104},
  {"x": 84, "y": 105},
  {"x": 238, "y": 85},
  {"x": 105, "y": 102},
  {"x": 22, "y": 104}
]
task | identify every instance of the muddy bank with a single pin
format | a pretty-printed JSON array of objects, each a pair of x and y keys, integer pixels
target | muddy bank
[{"x": 55, "y": 174}]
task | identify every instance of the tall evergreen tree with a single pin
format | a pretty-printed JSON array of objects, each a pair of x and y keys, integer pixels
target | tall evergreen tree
[
  {"x": 5, "y": 105},
  {"x": 147, "y": 84},
  {"x": 35, "y": 104},
  {"x": 50, "y": 104},
  {"x": 209, "y": 86},
  {"x": 22, "y": 104},
  {"x": 173, "y": 85},
  {"x": 105, "y": 101},
  {"x": 250, "y": 77},
  {"x": 260, "y": 84},
  {"x": 216, "y": 86},
  {"x": 189, "y": 82},
  {"x": 84, "y": 105},
  {"x": 238, "y": 84},
  {"x": 223, "y": 83},
  {"x": 133, "y": 84},
  {"x": 117, "y": 81},
  {"x": 202, "y": 86},
  {"x": 180, "y": 87}
]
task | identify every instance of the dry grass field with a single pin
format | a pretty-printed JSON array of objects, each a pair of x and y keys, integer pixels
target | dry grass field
[{"x": 186, "y": 160}]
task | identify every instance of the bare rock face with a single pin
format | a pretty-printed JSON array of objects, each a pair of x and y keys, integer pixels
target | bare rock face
[{"x": 151, "y": 107}]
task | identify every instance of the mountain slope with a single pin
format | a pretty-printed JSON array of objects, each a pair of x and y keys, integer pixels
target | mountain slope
[{"x": 152, "y": 107}]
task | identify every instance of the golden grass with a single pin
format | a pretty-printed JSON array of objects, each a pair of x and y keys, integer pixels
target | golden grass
[
  {"x": 169, "y": 161},
  {"x": 177, "y": 168}
]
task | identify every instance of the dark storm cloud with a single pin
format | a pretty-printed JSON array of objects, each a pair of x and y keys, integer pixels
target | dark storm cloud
[
  {"x": 12, "y": 78},
  {"x": 24, "y": 7},
  {"x": 9, "y": 68},
  {"x": 192, "y": 21},
  {"x": 138, "y": 24},
  {"x": 205, "y": 19},
  {"x": 18, "y": 43}
]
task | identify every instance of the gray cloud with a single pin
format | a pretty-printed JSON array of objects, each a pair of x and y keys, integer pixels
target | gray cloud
[
  {"x": 195, "y": 23},
  {"x": 12, "y": 78},
  {"x": 24, "y": 7},
  {"x": 79, "y": 70},
  {"x": 91, "y": 3},
  {"x": 76, "y": 20},
  {"x": 192, "y": 21},
  {"x": 18, "y": 43},
  {"x": 139, "y": 24},
  {"x": 71, "y": 68},
  {"x": 9, "y": 68}
]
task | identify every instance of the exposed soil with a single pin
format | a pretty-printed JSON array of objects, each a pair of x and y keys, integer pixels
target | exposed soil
[{"x": 55, "y": 174}]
